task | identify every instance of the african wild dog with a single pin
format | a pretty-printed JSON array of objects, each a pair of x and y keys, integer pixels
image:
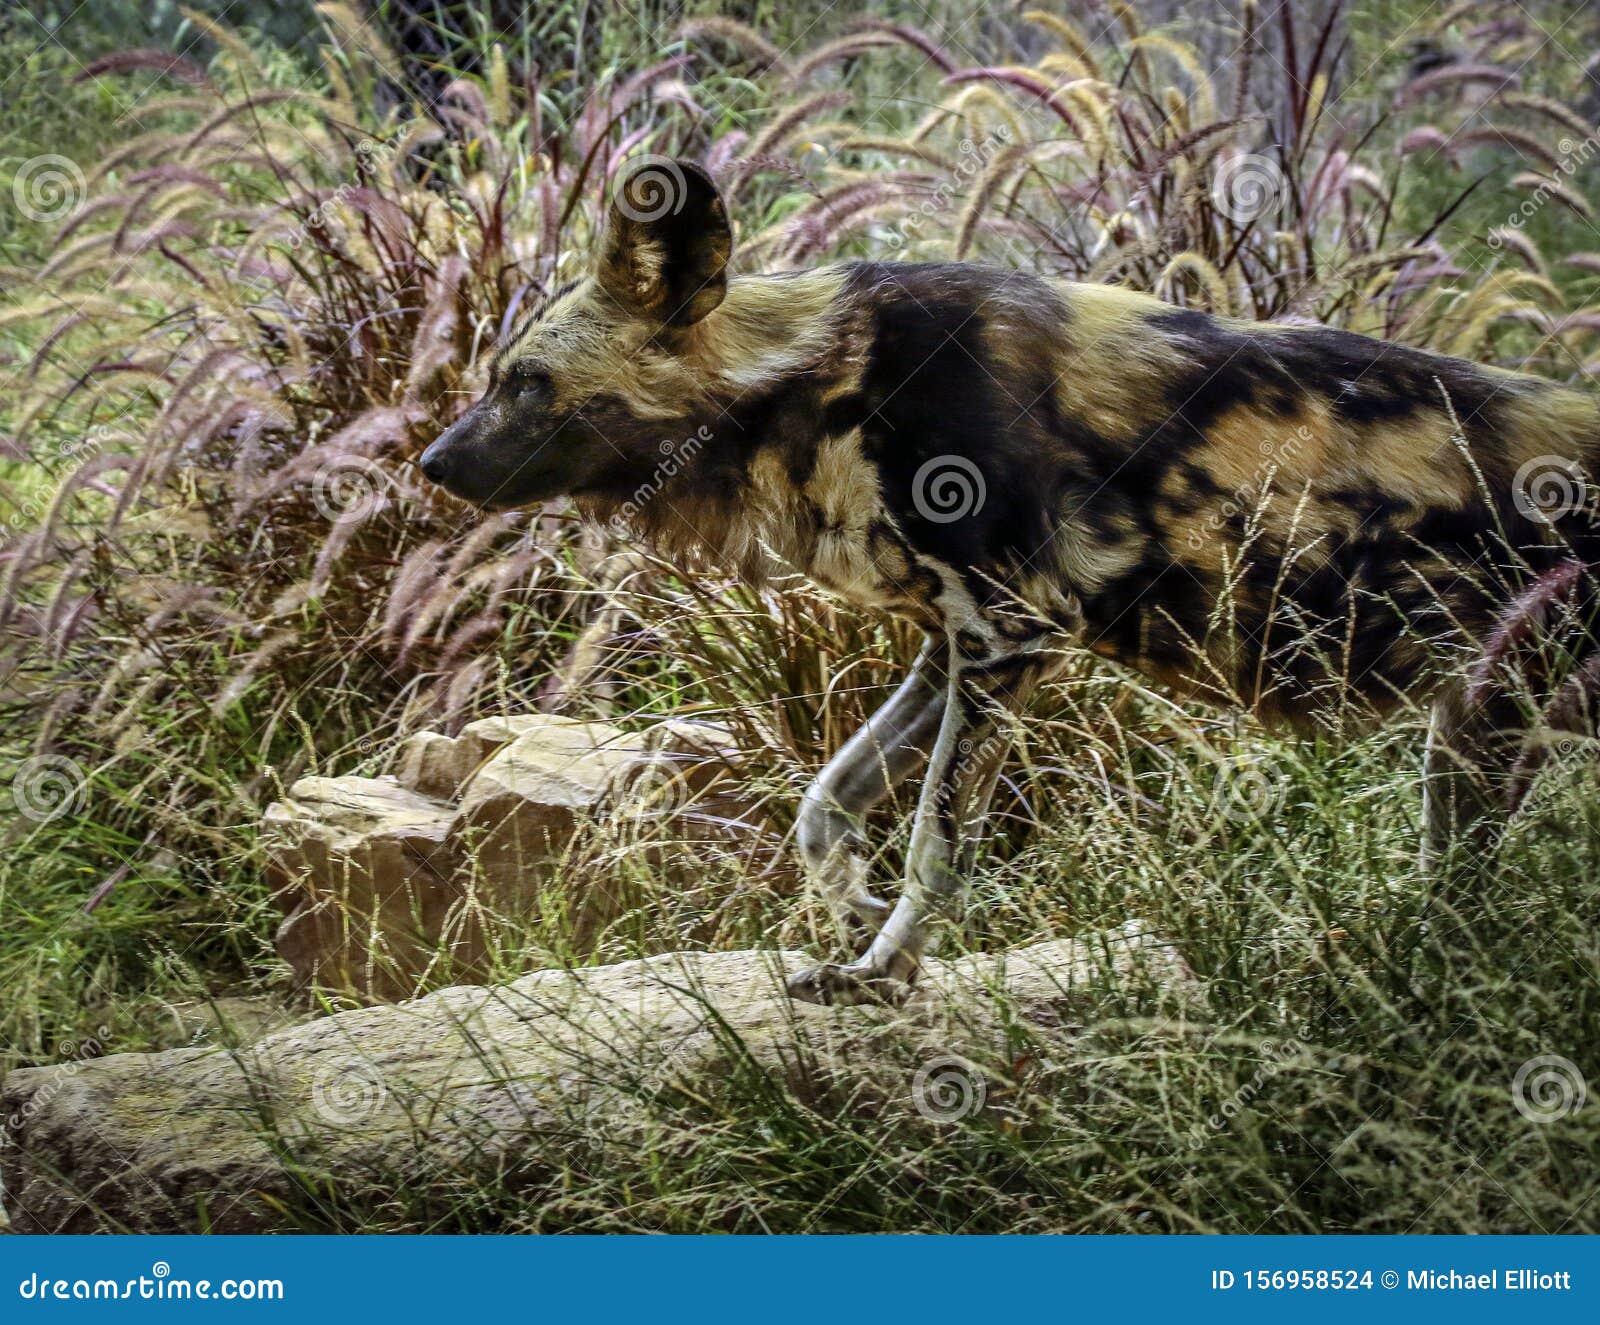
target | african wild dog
[{"x": 1023, "y": 467}]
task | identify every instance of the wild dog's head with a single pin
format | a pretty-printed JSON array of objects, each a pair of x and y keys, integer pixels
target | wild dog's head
[{"x": 583, "y": 393}]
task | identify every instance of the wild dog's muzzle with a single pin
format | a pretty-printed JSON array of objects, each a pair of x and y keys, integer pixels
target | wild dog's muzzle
[
  {"x": 438, "y": 460},
  {"x": 476, "y": 459}
]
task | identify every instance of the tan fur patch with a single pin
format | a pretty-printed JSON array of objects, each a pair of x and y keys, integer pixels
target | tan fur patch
[{"x": 1107, "y": 359}]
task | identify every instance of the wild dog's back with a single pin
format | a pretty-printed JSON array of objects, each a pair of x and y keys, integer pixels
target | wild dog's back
[
  {"x": 1324, "y": 511},
  {"x": 1270, "y": 515}
]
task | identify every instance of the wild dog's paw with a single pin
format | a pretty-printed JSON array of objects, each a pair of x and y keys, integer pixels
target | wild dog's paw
[{"x": 844, "y": 984}]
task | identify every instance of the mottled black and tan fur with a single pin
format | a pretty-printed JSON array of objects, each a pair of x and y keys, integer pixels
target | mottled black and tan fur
[{"x": 1295, "y": 520}]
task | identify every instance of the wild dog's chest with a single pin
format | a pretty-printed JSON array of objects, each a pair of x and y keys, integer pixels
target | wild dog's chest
[{"x": 833, "y": 526}]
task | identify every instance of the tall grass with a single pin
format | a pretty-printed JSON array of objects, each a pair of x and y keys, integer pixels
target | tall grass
[{"x": 220, "y": 571}]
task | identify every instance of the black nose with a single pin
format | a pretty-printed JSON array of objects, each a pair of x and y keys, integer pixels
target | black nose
[{"x": 434, "y": 466}]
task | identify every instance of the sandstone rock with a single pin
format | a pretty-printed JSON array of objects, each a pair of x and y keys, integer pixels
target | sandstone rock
[
  {"x": 525, "y": 804},
  {"x": 391, "y": 879},
  {"x": 367, "y": 876},
  {"x": 428, "y": 764},
  {"x": 466, "y": 1083},
  {"x": 438, "y": 765}
]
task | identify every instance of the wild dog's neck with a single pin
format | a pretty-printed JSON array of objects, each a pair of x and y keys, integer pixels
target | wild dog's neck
[
  {"x": 759, "y": 363},
  {"x": 767, "y": 329}
]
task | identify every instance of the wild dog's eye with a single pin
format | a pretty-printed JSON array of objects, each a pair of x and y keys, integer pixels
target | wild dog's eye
[{"x": 527, "y": 379}]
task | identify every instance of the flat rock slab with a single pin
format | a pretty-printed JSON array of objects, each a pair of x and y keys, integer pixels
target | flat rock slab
[{"x": 466, "y": 1084}]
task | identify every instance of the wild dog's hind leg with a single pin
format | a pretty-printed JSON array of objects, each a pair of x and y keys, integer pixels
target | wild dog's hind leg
[
  {"x": 894, "y": 742},
  {"x": 962, "y": 771}
]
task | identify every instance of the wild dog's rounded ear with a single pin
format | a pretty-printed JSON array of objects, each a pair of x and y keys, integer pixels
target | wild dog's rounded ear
[{"x": 667, "y": 241}]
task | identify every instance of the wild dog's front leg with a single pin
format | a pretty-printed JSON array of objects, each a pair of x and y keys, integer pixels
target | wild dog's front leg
[
  {"x": 891, "y": 746},
  {"x": 962, "y": 772}
]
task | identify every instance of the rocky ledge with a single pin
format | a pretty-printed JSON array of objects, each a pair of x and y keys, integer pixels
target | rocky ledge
[{"x": 476, "y": 1085}]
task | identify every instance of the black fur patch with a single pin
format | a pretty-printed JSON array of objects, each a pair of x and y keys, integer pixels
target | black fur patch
[{"x": 932, "y": 391}]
